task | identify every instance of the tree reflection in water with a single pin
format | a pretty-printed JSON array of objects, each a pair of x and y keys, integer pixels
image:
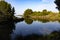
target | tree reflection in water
[
  {"x": 6, "y": 28},
  {"x": 28, "y": 20},
  {"x": 53, "y": 36}
]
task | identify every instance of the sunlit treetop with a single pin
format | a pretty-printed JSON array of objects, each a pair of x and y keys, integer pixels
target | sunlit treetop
[{"x": 2, "y": 0}]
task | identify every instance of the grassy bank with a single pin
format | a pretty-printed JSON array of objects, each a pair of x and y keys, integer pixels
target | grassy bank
[{"x": 50, "y": 17}]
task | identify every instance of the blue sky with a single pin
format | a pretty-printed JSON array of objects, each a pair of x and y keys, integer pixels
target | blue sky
[{"x": 35, "y": 5}]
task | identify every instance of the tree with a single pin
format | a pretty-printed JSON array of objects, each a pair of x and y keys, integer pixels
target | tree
[
  {"x": 5, "y": 7},
  {"x": 44, "y": 12},
  {"x": 13, "y": 11},
  {"x": 28, "y": 12},
  {"x": 57, "y": 2},
  {"x": 6, "y": 10}
]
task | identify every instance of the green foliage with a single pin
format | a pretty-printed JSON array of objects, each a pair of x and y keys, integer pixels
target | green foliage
[
  {"x": 28, "y": 12},
  {"x": 6, "y": 11},
  {"x": 45, "y": 12},
  {"x": 5, "y": 7},
  {"x": 44, "y": 15}
]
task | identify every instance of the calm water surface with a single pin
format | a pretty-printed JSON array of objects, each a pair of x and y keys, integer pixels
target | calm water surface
[
  {"x": 37, "y": 27},
  {"x": 29, "y": 30}
]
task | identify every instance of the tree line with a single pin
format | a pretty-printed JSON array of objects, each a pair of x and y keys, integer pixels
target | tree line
[{"x": 28, "y": 12}]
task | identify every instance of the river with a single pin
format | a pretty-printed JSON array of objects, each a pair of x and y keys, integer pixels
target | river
[{"x": 26, "y": 30}]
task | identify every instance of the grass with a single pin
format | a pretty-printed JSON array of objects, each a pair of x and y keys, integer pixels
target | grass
[{"x": 50, "y": 17}]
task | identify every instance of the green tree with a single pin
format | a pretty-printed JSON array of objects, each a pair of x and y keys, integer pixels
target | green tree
[
  {"x": 5, "y": 7},
  {"x": 44, "y": 12},
  {"x": 28, "y": 12},
  {"x": 6, "y": 10}
]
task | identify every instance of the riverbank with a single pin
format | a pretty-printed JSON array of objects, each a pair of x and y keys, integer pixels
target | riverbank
[{"x": 50, "y": 17}]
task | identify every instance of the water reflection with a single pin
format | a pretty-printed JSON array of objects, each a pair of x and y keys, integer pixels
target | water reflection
[
  {"x": 6, "y": 28},
  {"x": 43, "y": 21},
  {"x": 55, "y": 35},
  {"x": 38, "y": 30},
  {"x": 28, "y": 20}
]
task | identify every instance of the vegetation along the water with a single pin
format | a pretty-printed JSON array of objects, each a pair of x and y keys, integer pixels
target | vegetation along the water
[{"x": 7, "y": 13}]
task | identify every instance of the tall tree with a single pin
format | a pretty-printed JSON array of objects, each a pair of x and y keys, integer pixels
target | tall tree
[
  {"x": 13, "y": 11},
  {"x": 6, "y": 10}
]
